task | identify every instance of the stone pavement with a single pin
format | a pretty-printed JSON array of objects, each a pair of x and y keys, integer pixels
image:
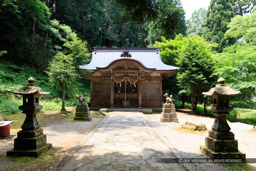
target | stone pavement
[{"x": 124, "y": 141}]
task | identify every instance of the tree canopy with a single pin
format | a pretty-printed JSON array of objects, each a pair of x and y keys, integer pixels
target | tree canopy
[
  {"x": 193, "y": 56},
  {"x": 243, "y": 27},
  {"x": 243, "y": 7},
  {"x": 195, "y": 68},
  {"x": 25, "y": 31},
  {"x": 218, "y": 16},
  {"x": 237, "y": 63},
  {"x": 170, "y": 21},
  {"x": 195, "y": 25}
]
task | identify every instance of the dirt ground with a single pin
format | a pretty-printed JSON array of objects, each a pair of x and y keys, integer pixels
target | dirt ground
[
  {"x": 67, "y": 137},
  {"x": 62, "y": 132},
  {"x": 187, "y": 142}
]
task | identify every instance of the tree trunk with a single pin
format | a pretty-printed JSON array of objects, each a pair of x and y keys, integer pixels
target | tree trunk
[
  {"x": 192, "y": 98},
  {"x": 205, "y": 106},
  {"x": 183, "y": 101},
  {"x": 63, "y": 97},
  {"x": 195, "y": 104}
]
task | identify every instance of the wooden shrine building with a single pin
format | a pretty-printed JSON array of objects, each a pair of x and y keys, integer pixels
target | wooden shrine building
[{"x": 127, "y": 77}]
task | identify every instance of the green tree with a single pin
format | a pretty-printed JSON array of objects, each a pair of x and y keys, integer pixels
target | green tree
[
  {"x": 62, "y": 72},
  {"x": 78, "y": 52},
  {"x": 2, "y": 52},
  {"x": 85, "y": 17},
  {"x": 117, "y": 33},
  {"x": 196, "y": 22},
  {"x": 237, "y": 63},
  {"x": 189, "y": 58},
  {"x": 25, "y": 32},
  {"x": 139, "y": 11},
  {"x": 196, "y": 68},
  {"x": 170, "y": 50},
  {"x": 170, "y": 21},
  {"x": 64, "y": 68},
  {"x": 99, "y": 22},
  {"x": 243, "y": 27},
  {"x": 243, "y": 7},
  {"x": 218, "y": 16}
]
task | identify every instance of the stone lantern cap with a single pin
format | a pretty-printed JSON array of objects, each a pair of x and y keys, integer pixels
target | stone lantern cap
[
  {"x": 221, "y": 89},
  {"x": 30, "y": 88}
]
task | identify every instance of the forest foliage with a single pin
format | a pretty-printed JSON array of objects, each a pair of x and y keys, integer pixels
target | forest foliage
[{"x": 49, "y": 36}]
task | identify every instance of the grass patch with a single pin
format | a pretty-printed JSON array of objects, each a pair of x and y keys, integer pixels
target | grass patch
[
  {"x": 182, "y": 166},
  {"x": 44, "y": 162},
  {"x": 243, "y": 115},
  {"x": 43, "y": 119},
  {"x": 200, "y": 110},
  {"x": 22, "y": 159},
  {"x": 236, "y": 115},
  {"x": 18, "y": 119},
  {"x": 50, "y": 105},
  {"x": 10, "y": 106}
]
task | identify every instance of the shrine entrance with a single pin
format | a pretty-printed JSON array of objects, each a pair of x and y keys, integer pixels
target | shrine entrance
[
  {"x": 125, "y": 87},
  {"x": 126, "y": 95}
]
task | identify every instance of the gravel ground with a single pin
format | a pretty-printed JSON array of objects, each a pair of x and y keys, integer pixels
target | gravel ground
[
  {"x": 65, "y": 137},
  {"x": 187, "y": 143},
  {"x": 68, "y": 137},
  {"x": 69, "y": 134}
]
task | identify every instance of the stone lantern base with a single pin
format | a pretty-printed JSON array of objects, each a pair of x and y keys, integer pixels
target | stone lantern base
[
  {"x": 82, "y": 113},
  {"x": 30, "y": 143},
  {"x": 222, "y": 145}
]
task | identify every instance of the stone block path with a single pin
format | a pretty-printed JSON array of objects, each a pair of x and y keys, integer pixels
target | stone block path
[{"x": 123, "y": 141}]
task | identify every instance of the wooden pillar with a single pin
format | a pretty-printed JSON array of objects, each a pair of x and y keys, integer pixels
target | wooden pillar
[
  {"x": 125, "y": 103},
  {"x": 112, "y": 92},
  {"x": 161, "y": 90},
  {"x": 91, "y": 101},
  {"x": 139, "y": 93}
]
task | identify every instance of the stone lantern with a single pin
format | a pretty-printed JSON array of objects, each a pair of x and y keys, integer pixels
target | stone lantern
[
  {"x": 220, "y": 143},
  {"x": 30, "y": 140}
]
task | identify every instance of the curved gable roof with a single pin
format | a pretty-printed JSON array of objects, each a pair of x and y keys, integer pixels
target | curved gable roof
[{"x": 147, "y": 57}]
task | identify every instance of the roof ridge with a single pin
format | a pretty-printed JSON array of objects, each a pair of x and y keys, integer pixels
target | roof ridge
[{"x": 125, "y": 49}]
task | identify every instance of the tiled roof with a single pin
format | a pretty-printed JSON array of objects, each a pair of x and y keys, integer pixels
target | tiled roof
[{"x": 147, "y": 57}]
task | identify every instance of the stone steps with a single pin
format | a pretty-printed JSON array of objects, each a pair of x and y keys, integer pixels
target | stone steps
[{"x": 143, "y": 110}]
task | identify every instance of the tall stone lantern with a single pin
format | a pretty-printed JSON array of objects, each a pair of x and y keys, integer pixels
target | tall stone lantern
[
  {"x": 220, "y": 143},
  {"x": 30, "y": 140}
]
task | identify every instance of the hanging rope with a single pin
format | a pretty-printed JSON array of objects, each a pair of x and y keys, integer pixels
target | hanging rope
[{"x": 127, "y": 79}]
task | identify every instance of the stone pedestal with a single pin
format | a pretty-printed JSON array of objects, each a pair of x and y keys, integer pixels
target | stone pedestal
[
  {"x": 82, "y": 112},
  {"x": 220, "y": 143},
  {"x": 30, "y": 141},
  {"x": 168, "y": 113}
]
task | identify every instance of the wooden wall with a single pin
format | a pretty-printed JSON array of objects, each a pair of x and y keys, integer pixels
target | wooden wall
[
  {"x": 101, "y": 93},
  {"x": 151, "y": 93}
]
